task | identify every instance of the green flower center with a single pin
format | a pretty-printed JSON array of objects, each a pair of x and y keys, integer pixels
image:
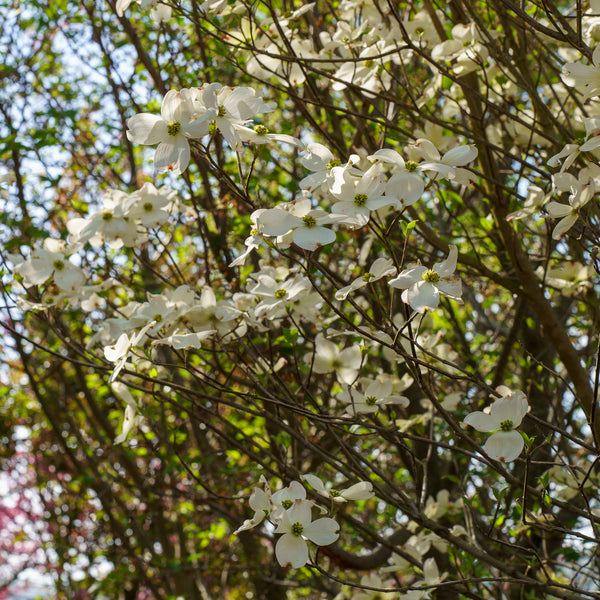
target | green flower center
[
  {"x": 419, "y": 31},
  {"x": 369, "y": 63},
  {"x": 309, "y": 221},
  {"x": 107, "y": 216},
  {"x": 58, "y": 265},
  {"x": 370, "y": 400},
  {"x": 174, "y": 127},
  {"x": 367, "y": 277},
  {"x": 222, "y": 111},
  {"x": 334, "y": 493},
  {"x": 157, "y": 317},
  {"x": 286, "y": 504},
  {"x": 507, "y": 425},
  {"x": 261, "y": 130},
  {"x": 148, "y": 206},
  {"x": 411, "y": 166},
  {"x": 297, "y": 528},
  {"x": 334, "y": 162},
  {"x": 360, "y": 199},
  {"x": 280, "y": 294},
  {"x": 431, "y": 276},
  {"x": 253, "y": 231}
]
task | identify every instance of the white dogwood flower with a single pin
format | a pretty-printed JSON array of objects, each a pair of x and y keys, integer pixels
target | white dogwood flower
[
  {"x": 260, "y": 503},
  {"x": 504, "y": 416},
  {"x": 381, "y": 267},
  {"x": 182, "y": 117},
  {"x": 422, "y": 286},
  {"x": 328, "y": 357},
  {"x": 363, "y": 490},
  {"x": 448, "y": 166},
  {"x": 375, "y": 395},
  {"x": 297, "y": 526},
  {"x": 584, "y": 76}
]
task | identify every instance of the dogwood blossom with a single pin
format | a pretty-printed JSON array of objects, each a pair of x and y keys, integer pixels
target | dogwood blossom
[
  {"x": 405, "y": 184},
  {"x": 504, "y": 416},
  {"x": 359, "y": 194},
  {"x": 381, "y": 267},
  {"x": 297, "y": 526},
  {"x": 422, "y": 286},
  {"x": 305, "y": 224},
  {"x": 584, "y": 77},
  {"x": 363, "y": 490},
  {"x": 276, "y": 294},
  {"x": 448, "y": 166},
  {"x": 328, "y": 357},
  {"x": 182, "y": 117},
  {"x": 372, "y": 580},
  {"x": 260, "y": 502},
  {"x": 160, "y": 11},
  {"x": 120, "y": 351},
  {"x": 581, "y": 194},
  {"x": 50, "y": 261},
  {"x": 375, "y": 395},
  {"x": 232, "y": 108}
]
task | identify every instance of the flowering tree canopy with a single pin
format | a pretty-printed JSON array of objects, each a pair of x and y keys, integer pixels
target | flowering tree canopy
[{"x": 301, "y": 300}]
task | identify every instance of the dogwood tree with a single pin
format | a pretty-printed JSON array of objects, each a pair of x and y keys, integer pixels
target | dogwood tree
[{"x": 300, "y": 300}]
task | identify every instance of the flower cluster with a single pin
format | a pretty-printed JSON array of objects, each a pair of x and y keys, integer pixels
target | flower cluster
[
  {"x": 187, "y": 115},
  {"x": 291, "y": 512}
]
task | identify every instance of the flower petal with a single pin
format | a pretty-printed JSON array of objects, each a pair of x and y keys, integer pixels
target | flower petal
[
  {"x": 322, "y": 531},
  {"x": 310, "y": 238},
  {"x": 146, "y": 129},
  {"x": 482, "y": 421},
  {"x": 422, "y": 296},
  {"x": 447, "y": 267},
  {"x": 291, "y": 550},
  {"x": 408, "y": 277},
  {"x": 173, "y": 155},
  {"x": 504, "y": 445}
]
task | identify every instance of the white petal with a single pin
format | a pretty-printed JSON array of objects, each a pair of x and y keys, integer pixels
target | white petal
[
  {"x": 147, "y": 129},
  {"x": 129, "y": 420},
  {"x": 504, "y": 445},
  {"x": 451, "y": 288},
  {"x": 388, "y": 155},
  {"x": 170, "y": 104},
  {"x": 173, "y": 155},
  {"x": 423, "y": 296},
  {"x": 70, "y": 278},
  {"x": 481, "y": 421},
  {"x": 408, "y": 277},
  {"x": 447, "y": 267},
  {"x": 510, "y": 408},
  {"x": 315, "y": 482},
  {"x": 310, "y": 238},
  {"x": 322, "y": 531},
  {"x": 408, "y": 187},
  {"x": 291, "y": 550},
  {"x": 275, "y": 221},
  {"x": 564, "y": 225},
  {"x": 460, "y": 156},
  {"x": 557, "y": 210},
  {"x": 118, "y": 350},
  {"x": 359, "y": 491}
]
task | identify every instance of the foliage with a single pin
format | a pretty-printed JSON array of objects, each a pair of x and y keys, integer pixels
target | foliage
[{"x": 341, "y": 339}]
